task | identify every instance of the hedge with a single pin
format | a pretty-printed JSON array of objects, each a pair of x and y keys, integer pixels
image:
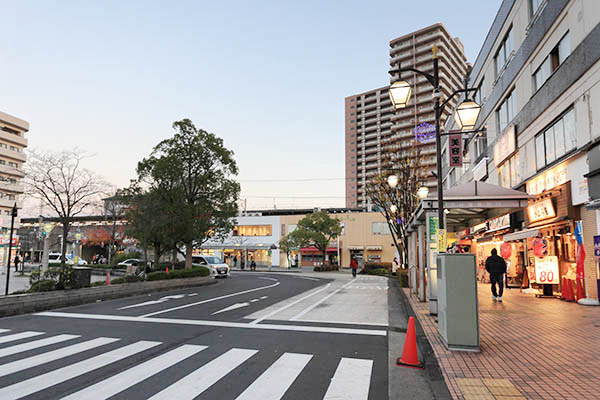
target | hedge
[
  {"x": 127, "y": 279},
  {"x": 177, "y": 274},
  {"x": 326, "y": 268},
  {"x": 45, "y": 285}
]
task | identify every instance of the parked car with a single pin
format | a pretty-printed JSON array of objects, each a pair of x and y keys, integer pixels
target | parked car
[
  {"x": 132, "y": 261},
  {"x": 216, "y": 266},
  {"x": 55, "y": 258}
]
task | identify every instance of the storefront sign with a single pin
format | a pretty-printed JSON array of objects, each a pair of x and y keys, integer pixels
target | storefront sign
[
  {"x": 546, "y": 270},
  {"x": 499, "y": 223},
  {"x": 505, "y": 145},
  {"x": 548, "y": 180},
  {"x": 433, "y": 228},
  {"x": 480, "y": 171},
  {"x": 442, "y": 241},
  {"x": 541, "y": 210},
  {"x": 455, "y": 150},
  {"x": 597, "y": 246},
  {"x": 480, "y": 227}
]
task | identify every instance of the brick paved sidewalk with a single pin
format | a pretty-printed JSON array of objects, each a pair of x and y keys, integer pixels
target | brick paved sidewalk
[{"x": 534, "y": 348}]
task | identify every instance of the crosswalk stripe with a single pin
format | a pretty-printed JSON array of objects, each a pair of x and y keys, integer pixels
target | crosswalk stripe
[
  {"x": 43, "y": 358},
  {"x": 116, "y": 384},
  {"x": 194, "y": 384},
  {"x": 351, "y": 380},
  {"x": 35, "y": 344},
  {"x": 276, "y": 380},
  {"x": 44, "y": 381},
  {"x": 4, "y": 330},
  {"x": 19, "y": 336}
]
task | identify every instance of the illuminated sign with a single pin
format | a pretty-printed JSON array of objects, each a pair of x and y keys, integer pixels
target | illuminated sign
[
  {"x": 542, "y": 210},
  {"x": 480, "y": 171},
  {"x": 546, "y": 270},
  {"x": 548, "y": 180},
  {"x": 505, "y": 145},
  {"x": 499, "y": 223},
  {"x": 480, "y": 227},
  {"x": 425, "y": 132}
]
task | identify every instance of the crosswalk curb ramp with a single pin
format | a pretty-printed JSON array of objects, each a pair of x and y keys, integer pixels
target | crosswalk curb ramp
[{"x": 350, "y": 381}]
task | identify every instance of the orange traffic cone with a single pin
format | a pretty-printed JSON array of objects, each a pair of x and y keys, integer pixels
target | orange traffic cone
[
  {"x": 410, "y": 357},
  {"x": 167, "y": 270},
  {"x": 107, "y": 277}
]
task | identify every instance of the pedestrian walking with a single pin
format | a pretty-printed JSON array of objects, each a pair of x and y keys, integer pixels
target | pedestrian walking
[
  {"x": 17, "y": 261},
  {"x": 234, "y": 261},
  {"x": 252, "y": 266},
  {"x": 354, "y": 266},
  {"x": 496, "y": 267}
]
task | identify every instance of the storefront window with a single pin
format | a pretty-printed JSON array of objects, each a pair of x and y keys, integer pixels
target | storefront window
[
  {"x": 253, "y": 230},
  {"x": 380, "y": 228}
]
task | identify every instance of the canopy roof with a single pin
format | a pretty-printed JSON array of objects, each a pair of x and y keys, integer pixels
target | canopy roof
[{"x": 470, "y": 201}]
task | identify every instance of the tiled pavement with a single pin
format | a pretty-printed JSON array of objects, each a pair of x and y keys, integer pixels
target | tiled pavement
[{"x": 533, "y": 348}]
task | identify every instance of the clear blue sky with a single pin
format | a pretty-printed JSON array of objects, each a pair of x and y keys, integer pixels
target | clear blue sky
[{"x": 270, "y": 77}]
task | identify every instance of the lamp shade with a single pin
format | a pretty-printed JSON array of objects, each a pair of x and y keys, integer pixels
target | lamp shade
[
  {"x": 423, "y": 192},
  {"x": 400, "y": 94},
  {"x": 466, "y": 115},
  {"x": 392, "y": 181}
]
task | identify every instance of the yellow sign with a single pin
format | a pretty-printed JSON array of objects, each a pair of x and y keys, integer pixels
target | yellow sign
[
  {"x": 442, "y": 240},
  {"x": 48, "y": 228}
]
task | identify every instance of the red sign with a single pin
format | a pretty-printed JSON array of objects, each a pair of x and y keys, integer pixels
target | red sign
[
  {"x": 506, "y": 250},
  {"x": 455, "y": 153}
]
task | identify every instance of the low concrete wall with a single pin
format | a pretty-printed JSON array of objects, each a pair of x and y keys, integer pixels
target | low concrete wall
[{"x": 34, "y": 302}]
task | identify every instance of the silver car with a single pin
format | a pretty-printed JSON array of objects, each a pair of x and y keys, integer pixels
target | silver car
[{"x": 217, "y": 268}]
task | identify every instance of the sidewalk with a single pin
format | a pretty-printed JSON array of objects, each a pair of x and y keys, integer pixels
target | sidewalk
[{"x": 531, "y": 348}]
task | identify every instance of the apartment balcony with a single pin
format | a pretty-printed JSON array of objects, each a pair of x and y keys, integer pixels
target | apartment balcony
[
  {"x": 371, "y": 150},
  {"x": 11, "y": 137},
  {"x": 10, "y": 203},
  {"x": 11, "y": 171},
  {"x": 15, "y": 155},
  {"x": 371, "y": 128},
  {"x": 12, "y": 187},
  {"x": 371, "y": 158}
]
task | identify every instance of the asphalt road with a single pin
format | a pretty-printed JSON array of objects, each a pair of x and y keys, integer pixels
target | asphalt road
[{"x": 253, "y": 336}]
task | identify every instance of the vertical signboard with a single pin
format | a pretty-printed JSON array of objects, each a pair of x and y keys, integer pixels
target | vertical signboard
[{"x": 455, "y": 152}]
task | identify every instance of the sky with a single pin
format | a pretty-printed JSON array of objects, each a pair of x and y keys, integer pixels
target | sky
[{"x": 269, "y": 77}]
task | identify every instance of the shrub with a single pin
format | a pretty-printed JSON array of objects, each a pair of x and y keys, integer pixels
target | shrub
[
  {"x": 163, "y": 266},
  {"x": 373, "y": 265},
  {"x": 44, "y": 285},
  {"x": 20, "y": 292},
  {"x": 34, "y": 276},
  {"x": 378, "y": 271},
  {"x": 99, "y": 283},
  {"x": 178, "y": 274},
  {"x": 326, "y": 268},
  {"x": 127, "y": 279},
  {"x": 403, "y": 277}
]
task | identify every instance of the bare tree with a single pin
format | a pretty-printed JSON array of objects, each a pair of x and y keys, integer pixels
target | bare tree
[
  {"x": 63, "y": 185},
  {"x": 398, "y": 204}
]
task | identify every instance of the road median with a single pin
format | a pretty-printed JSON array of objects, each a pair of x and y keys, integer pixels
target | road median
[{"x": 34, "y": 302}]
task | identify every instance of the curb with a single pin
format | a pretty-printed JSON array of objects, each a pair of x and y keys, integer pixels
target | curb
[
  {"x": 435, "y": 379},
  {"x": 33, "y": 302}
]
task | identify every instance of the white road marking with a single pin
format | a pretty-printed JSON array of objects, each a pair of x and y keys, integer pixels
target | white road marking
[
  {"x": 264, "y": 297},
  {"x": 306, "y": 277},
  {"x": 174, "y": 297},
  {"x": 269, "y": 315},
  {"x": 329, "y": 321},
  {"x": 276, "y": 380},
  {"x": 193, "y": 294},
  {"x": 4, "y": 330},
  {"x": 351, "y": 380},
  {"x": 224, "y": 324},
  {"x": 44, "y": 381},
  {"x": 35, "y": 344},
  {"x": 161, "y": 300},
  {"x": 43, "y": 358},
  {"x": 19, "y": 336},
  {"x": 254, "y": 300},
  {"x": 194, "y": 384},
  {"x": 232, "y": 307},
  {"x": 309, "y": 308},
  {"x": 120, "y": 382},
  {"x": 213, "y": 299}
]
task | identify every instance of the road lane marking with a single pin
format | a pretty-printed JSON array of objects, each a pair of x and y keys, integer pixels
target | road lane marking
[
  {"x": 19, "y": 336},
  {"x": 254, "y": 300},
  {"x": 36, "y": 344},
  {"x": 312, "y": 307},
  {"x": 232, "y": 307},
  {"x": 120, "y": 382},
  {"x": 44, "y": 358},
  {"x": 4, "y": 330},
  {"x": 161, "y": 300},
  {"x": 351, "y": 380},
  {"x": 192, "y": 385},
  {"x": 306, "y": 277},
  {"x": 44, "y": 381},
  {"x": 224, "y": 324},
  {"x": 209, "y": 300},
  {"x": 269, "y": 315},
  {"x": 277, "y": 379},
  {"x": 263, "y": 297}
]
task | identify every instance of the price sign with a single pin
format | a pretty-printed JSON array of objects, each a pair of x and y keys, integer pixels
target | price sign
[
  {"x": 546, "y": 270},
  {"x": 442, "y": 240}
]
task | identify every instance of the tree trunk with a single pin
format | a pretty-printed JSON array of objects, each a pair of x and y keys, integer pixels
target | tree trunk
[
  {"x": 63, "y": 258},
  {"x": 156, "y": 255},
  {"x": 188, "y": 255}
]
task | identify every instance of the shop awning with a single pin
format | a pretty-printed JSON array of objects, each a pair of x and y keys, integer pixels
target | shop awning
[
  {"x": 375, "y": 248},
  {"x": 313, "y": 249},
  {"x": 524, "y": 234}
]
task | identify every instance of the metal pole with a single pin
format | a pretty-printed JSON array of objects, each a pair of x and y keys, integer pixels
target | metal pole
[
  {"x": 12, "y": 225},
  {"x": 438, "y": 142}
]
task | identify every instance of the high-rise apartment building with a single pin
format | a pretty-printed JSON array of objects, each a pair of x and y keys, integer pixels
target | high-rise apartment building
[
  {"x": 371, "y": 122},
  {"x": 12, "y": 157}
]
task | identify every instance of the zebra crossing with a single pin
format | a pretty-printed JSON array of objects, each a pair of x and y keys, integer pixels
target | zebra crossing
[{"x": 350, "y": 381}]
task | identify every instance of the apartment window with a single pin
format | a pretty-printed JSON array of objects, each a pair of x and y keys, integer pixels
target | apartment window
[
  {"x": 556, "y": 141},
  {"x": 13, "y": 148},
  {"x": 252, "y": 230},
  {"x": 3, "y": 145},
  {"x": 2, "y": 162},
  {"x": 506, "y": 112},
  {"x": 480, "y": 94},
  {"x": 534, "y": 6},
  {"x": 556, "y": 57},
  {"x": 480, "y": 145},
  {"x": 352, "y": 107},
  {"x": 351, "y": 113},
  {"x": 509, "y": 173},
  {"x": 380, "y": 228},
  {"x": 10, "y": 196},
  {"x": 11, "y": 180},
  {"x": 352, "y": 121},
  {"x": 14, "y": 165},
  {"x": 352, "y": 100},
  {"x": 504, "y": 52}
]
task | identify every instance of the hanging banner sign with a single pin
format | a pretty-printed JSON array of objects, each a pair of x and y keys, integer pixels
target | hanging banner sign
[
  {"x": 546, "y": 270},
  {"x": 456, "y": 154},
  {"x": 442, "y": 241}
]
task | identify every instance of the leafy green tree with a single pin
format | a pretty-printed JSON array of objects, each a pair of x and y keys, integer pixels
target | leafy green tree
[
  {"x": 317, "y": 229},
  {"x": 287, "y": 244},
  {"x": 192, "y": 173}
]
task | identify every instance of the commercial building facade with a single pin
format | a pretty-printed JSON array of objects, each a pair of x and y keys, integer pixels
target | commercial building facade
[
  {"x": 371, "y": 122},
  {"x": 537, "y": 76}
]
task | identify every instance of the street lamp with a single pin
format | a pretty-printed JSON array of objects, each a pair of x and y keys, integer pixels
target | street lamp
[
  {"x": 466, "y": 115},
  {"x": 392, "y": 181},
  {"x": 422, "y": 192},
  {"x": 13, "y": 215}
]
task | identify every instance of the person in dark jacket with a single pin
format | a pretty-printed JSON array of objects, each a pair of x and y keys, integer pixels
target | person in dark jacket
[{"x": 496, "y": 266}]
